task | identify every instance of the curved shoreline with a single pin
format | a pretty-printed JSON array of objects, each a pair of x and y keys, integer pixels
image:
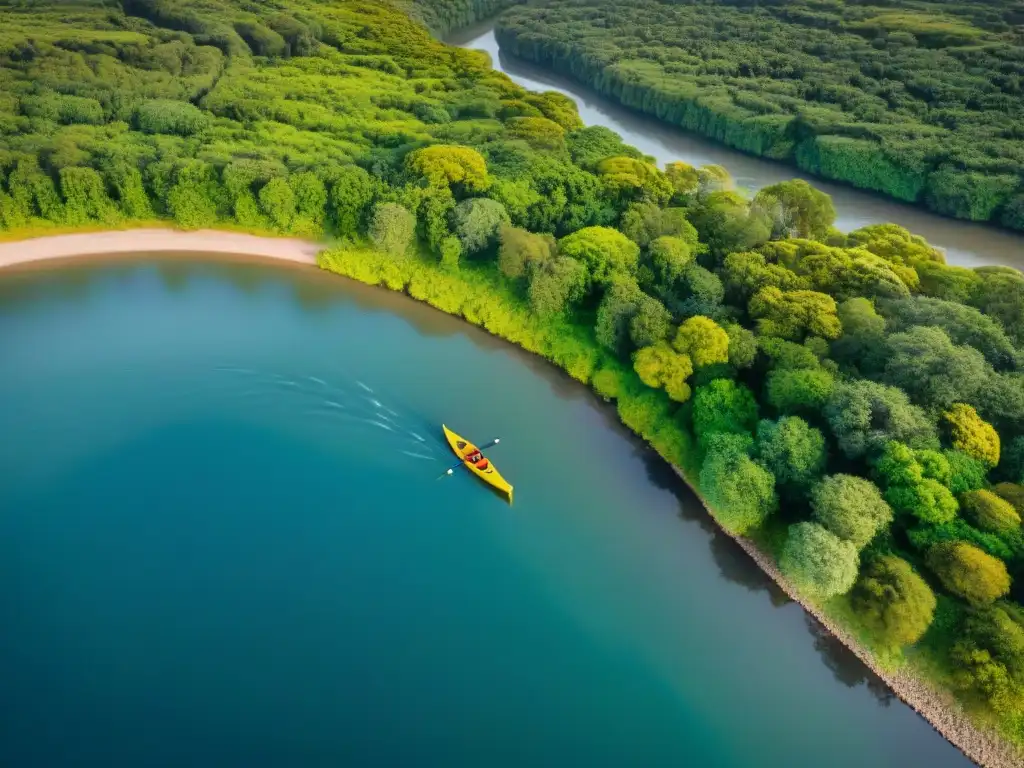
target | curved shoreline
[
  {"x": 943, "y": 713},
  {"x": 155, "y": 240}
]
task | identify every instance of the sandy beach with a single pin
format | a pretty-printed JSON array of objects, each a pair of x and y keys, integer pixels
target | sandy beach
[{"x": 156, "y": 241}]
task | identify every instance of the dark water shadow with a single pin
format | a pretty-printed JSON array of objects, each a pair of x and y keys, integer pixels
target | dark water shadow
[{"x": 845, "y": 667}]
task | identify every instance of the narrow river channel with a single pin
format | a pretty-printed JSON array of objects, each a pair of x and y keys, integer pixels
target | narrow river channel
[{"x": 965, "y": 243}]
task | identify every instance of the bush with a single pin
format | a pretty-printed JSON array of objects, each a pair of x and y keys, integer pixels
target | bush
[
  {"x": 178, "y": 118},
  {"x": 740, "y": 491}
]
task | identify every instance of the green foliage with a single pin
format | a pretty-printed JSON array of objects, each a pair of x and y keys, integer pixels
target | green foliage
[
  {"x": 989, "y": 659},
  {"x": 818, "y": 562},
  {"x": 555, "y": 285},
  {"x": 805, "y": 390},
  {"x": 910, "y": 490},
  {"x": 972, "y": 435},
  {"x": 1011, "y": 463},
  {"x": 669, "y": 258},
  {"x": 795, "y": 314},
  {"x": 722, "y": 405},
  {"x": 661, "y": 367},
  {"x": 804, "y": 210},
  {"x": 864, "y": 416},
  {"x": 352, "y": 191},
  {"x": 628, "y": 318},
  {"x": 917, "y": 102},
  {"x": 606, "y": 252},
  {"x": 477, "y": 223},
  {"x": 850, "y": 507},
  {"x": 392, "y": 228},
  {"x": 740, "y": 491},
  {"x": 965, "y": 472},
  {"x": 925, "y": 364},
  {"x": 645, "y": 222},
  {"x": 193, "y": 198},
  {"x": 173, "y": 117},
  {"x": 703, "y": 340},
  {"x": 1012, "y": 493},
  {"x": 793, "y": 450},
  {"x": 893, "y": 601},
  {"x": 742, "y": 345},
  {"x": 277, "y": 200},
  {"x": 85, "y": 198},
  {"x": 727, "y": 223},
  {"x": 968, "y": 572},
  {"x": 442, "y": 165},
  {"x": 521, "y": 249},
  {"x": 989, "y": 512}
]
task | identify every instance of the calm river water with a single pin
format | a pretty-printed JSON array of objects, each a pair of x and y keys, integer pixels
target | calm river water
[
  {"x": 965, "y": 243},
  {"x": 222, "y": 543}
]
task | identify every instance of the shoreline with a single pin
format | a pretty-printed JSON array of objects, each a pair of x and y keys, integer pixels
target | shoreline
[
  {"x": 68, "y": 247},
  {"x": 936, "y": 707}
]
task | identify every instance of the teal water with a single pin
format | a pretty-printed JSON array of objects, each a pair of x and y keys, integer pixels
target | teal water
[{"x": 222, "y": 544}]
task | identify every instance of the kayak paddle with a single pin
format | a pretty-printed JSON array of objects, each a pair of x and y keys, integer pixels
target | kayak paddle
[{"x": 452, "y": 468}]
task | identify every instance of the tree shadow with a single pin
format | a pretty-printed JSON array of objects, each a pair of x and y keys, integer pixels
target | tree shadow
[{"x": 844, "y": 665}]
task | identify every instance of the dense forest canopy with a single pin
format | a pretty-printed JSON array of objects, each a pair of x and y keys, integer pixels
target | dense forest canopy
[
  {"x": 849, "y": 401},
  {"x": 920, "y": 99}
]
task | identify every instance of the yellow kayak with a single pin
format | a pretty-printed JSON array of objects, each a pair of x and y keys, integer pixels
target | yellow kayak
[{"x": 482, "y": 467}]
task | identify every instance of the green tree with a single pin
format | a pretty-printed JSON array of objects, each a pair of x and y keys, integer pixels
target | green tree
[
  {"x": 793, "y": 450},
  {"x": 893, "y": 601},
  {"x": 989, "y": 512},
  {"x": 968, "y": 572},
  {"x": 742, "y": 345},
  {"x": 1011, "y": 492},
  {"x": 192, "y": 200},
  {"x": 795, "y": 314},
  {"x": 727, "y": 224},
  {"x": 352, "y": 192},
  {"x": 850, "y": 507},
  {"x": 661, "y": 367},
  {"x": 684, "y": 179},
  {"x": 807, "y": 212},
  {"x": 310, "y": 203},
  {"x": 444, "y": 165},
  {"x": 722, "y": 405},
  {"x": 972, "y": 435},
  {"x": 862, "y": 346},
  {"x": 739, "y": 490},
  {"x": 703, "y": 340},
  {"x": 277, "y": 199},
  {"x": 606, "y": 252},
  {"x": 555, "y": 285},
  {"x": 864, "y": 416},
  {"x": 628, "y": 317},
  {"x": 669, "y": 258},
  {"x": 909, "y": 491},
  {"x": 747, "y": 272},
  {"x": 392, "y": 228},
  {"x": 645, "y": 222},
  {"x": 803, "y": 390},
  {"x": 966, "y": 473},
  {"x": 818, "y": 562},
  {"x": 925, "y": 364},
  {"x": 520, "y": 249},
  {"x": 477, "y": 223},
  {"x": 85, "y": 197},
  {"x": 632, "y": 179}
]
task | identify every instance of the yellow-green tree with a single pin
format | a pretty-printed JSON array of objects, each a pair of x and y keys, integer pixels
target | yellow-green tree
[
  {"x": 972, "y": 434},
  {"x": 704, "y": 340},
  {"x": 448, "y": 165},
  {"x": 661, "y": 367}
]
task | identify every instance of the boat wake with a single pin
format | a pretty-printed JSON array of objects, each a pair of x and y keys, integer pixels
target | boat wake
[{"x": 348, "y": 408}]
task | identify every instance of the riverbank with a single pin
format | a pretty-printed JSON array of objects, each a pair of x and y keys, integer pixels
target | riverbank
[
  {"x": 964, "y": 243},
  {"x": 472, "y": 296},
  {"x": 156, "y": 240}
]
